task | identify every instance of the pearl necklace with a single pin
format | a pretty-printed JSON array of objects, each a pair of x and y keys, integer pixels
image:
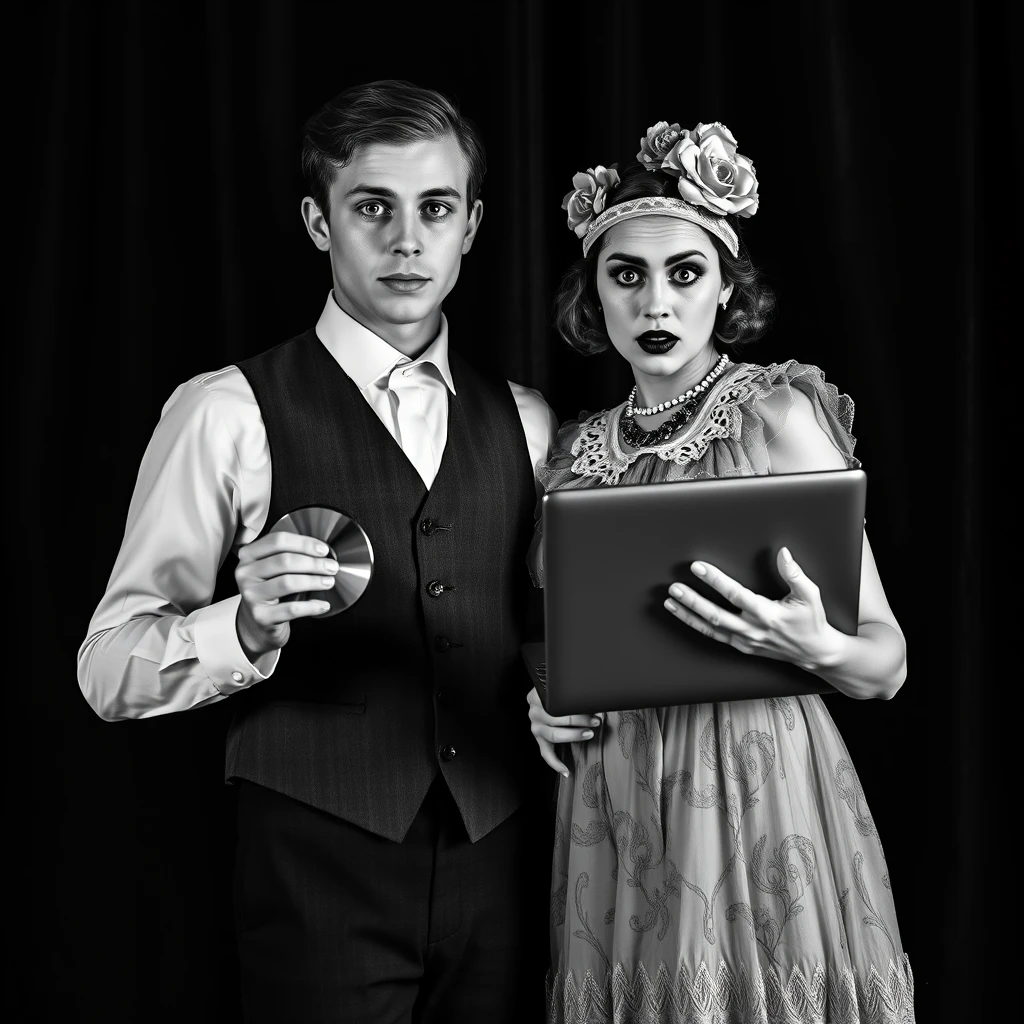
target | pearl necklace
[{"x": 633, "y": 410}]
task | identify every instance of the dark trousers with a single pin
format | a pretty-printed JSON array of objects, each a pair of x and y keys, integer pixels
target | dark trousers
[{"x": 336, "y": 924}]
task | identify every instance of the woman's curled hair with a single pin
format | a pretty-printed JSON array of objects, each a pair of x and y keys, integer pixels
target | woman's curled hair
[{"x": 580, "y": 322}]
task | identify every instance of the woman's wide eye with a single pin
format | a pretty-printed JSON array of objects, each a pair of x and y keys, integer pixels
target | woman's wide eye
[
  {"x": 627, "y": 276},
  {"x": 685, "y": 275}
]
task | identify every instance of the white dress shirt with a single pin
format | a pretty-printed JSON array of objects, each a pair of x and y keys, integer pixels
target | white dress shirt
[{"x": 155, "y": 642}]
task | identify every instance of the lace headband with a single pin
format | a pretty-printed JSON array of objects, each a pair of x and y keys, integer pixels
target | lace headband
[{"x": 713, "y": 180}]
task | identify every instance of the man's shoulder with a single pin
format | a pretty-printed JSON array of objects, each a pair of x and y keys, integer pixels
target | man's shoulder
[
  {"x": 227, "y": 384},
  {"x": 529, "y": 400},
  {"x": 210, "y": 401}
]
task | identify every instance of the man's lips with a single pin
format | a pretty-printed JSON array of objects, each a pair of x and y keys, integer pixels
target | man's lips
[{"x": 404, "y": 282}]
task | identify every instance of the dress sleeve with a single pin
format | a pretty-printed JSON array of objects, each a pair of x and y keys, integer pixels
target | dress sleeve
[{"x": 772, "y": 397}]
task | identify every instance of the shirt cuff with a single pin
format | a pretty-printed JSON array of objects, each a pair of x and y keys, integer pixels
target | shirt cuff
[{"x": 220, "y": 652}]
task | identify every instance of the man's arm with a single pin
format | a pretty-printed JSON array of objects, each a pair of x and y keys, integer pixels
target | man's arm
[
  {"x": 155, "y": 642},
  {"x": 539, "y": 423}
]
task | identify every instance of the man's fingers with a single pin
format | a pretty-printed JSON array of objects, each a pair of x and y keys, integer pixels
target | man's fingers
[
  {"x": 282, "y": 562},
  {"x": 270, "y": 615},
  {"x": 282, "y": 586},
  {"x": 280, "y": 541}
]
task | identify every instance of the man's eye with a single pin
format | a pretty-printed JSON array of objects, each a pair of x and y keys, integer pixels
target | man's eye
[
  {"x": 437, "y": 211},
  {"x": 373, "y": 209}
]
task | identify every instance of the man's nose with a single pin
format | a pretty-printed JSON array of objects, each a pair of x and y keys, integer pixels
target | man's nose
[{"x": 405, "y": 239}]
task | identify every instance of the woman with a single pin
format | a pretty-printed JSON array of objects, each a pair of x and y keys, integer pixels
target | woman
[{"x": 714, "y": 862}]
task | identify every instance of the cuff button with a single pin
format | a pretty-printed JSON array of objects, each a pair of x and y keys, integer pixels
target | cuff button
[{"x": 237, "y": 676}]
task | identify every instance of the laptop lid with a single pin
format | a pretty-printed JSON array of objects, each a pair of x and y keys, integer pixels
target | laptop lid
[{"x": 610, "y": 554}]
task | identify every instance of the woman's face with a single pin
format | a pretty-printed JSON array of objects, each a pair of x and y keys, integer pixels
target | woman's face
[{"x": 659, "y": 284}]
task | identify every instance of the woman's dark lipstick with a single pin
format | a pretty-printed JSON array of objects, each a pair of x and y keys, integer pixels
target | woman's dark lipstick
[{"x": 656, "y": 343}]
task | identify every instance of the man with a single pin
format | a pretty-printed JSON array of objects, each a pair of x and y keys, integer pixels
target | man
[{"x": 382, "y": 753}]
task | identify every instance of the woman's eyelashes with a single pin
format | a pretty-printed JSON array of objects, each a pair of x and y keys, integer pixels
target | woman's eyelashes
[
  {"x": 630, "y": 277},
  {"x": 376, "y": 210}
]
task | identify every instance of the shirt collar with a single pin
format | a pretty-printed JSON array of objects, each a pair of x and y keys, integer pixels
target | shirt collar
[{"x": 365, "y": 356}]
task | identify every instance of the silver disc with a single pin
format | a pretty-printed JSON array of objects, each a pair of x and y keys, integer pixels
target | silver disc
[{"x": 350, "y": 548}]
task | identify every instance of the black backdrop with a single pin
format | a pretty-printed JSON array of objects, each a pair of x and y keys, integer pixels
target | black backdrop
[{"x": 156, "y": 235}]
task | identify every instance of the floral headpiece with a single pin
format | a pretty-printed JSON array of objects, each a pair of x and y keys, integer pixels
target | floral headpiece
[{"x": 713, "y": 181}]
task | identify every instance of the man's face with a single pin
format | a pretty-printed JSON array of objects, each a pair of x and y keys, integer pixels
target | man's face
[{"x": 399, "y": 226}]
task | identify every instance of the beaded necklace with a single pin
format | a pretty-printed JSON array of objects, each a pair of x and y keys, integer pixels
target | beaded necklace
[{"x": 688, "y": 402}]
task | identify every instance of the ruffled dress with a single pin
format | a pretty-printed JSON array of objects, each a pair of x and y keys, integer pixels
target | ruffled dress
[{"x": 718, "y": 863}]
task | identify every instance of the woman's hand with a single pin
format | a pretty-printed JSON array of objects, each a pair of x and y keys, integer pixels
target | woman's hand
[
  {"x": 548, "y": 731},
  {"x": 793, "y": 629}
]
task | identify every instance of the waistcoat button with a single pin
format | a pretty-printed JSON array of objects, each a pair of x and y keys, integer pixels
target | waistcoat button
[
  {"x": 427, "y": 527},
  {"x": 435, "y": 588},
  {"x": 447, "y": 753}
]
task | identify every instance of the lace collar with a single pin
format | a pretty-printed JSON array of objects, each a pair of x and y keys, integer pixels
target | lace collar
[{"x": 599, "y": 453}]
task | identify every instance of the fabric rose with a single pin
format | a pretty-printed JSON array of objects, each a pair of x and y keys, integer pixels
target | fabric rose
[
  {"x": 658, "y": 143},
  {"x": 589, "y": 196},
  {"x": 711, "y": 173}
]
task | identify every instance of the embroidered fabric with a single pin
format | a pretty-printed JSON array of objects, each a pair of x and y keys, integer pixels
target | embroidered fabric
[
  {"x": 744, "y": 410},
  {"x": 766, "y": 390},
  {"x": 704, "y": 996}
]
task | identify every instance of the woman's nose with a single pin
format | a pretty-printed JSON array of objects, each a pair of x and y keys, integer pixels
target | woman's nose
[{"x": 655, "y": 305}]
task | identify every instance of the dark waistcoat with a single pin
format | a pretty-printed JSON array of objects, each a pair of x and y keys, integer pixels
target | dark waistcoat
[{"x": 423, "y": 673}]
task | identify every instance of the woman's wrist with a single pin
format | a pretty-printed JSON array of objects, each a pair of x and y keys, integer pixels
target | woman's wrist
[
  {"x": 829, "y": 653},
  {"x": 870, "y": 664}
]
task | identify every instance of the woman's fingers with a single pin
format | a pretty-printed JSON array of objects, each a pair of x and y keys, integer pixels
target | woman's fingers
[
  {"x": 547, "y": 751},
  {"x": 801, "y": 586},
  {"x": 720, "y": 620},
  {"x": 735, "y": 593},
  {"x": 554, "y": 734},
  {"x": 696, "y": 622},
  {"x": 540, "y": 716},
  {"x": 548, "y": 730}
]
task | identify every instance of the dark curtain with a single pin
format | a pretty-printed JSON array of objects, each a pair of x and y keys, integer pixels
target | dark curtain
[{"x": 157, "y": 235}]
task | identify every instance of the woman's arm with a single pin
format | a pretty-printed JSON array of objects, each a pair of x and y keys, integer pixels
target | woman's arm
[{"x": 794, "y": 629}]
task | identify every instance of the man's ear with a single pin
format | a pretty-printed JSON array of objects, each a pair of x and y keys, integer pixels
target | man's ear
[
  {"x": 473, "y": 225},
  {"x": 316, "y": 224}
]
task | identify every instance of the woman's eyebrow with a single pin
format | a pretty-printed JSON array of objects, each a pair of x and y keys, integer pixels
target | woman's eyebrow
[
  {"x": 684, "y": 256},
  {"x": 641, "y": 262}
]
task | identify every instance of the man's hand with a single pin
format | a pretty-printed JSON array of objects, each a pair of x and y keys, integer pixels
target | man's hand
[{"x": 270, "y": 569}]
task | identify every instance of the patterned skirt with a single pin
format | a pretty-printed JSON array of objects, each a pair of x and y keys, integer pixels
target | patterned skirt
[{"x": 718, "y": 864}]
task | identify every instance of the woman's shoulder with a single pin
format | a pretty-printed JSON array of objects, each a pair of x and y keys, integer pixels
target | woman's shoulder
[{"x": 805, "y": 421}]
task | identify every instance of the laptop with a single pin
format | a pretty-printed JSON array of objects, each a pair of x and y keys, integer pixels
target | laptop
[{"x": 610, "y": 554}]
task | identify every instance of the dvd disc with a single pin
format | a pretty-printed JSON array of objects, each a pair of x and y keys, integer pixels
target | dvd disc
[{"x": 350, "y": 548}]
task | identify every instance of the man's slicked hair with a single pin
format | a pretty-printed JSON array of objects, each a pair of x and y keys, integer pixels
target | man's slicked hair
[{"x": 389, "y": 112}]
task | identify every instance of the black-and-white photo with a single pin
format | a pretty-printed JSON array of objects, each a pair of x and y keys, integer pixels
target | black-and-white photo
[{"x": 508, "y": 506}]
